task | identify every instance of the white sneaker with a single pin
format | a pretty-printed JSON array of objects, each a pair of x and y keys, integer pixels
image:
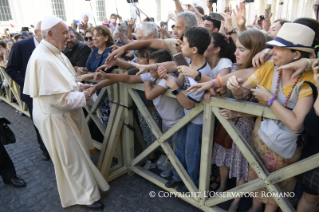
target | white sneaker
[
  {"x": 161, "y": 162},
  {"x": 167, "y": 172},
  {"x": 149, "y": 165}
]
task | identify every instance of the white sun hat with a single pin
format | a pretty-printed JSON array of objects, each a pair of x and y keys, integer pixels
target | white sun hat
[{"x": 294, "y": 36}]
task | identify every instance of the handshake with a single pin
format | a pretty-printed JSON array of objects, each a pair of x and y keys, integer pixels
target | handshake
[{"x": 88, "y": 90}]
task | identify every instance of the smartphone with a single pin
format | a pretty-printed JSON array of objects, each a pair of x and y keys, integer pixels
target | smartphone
[
  {"x": 180, "y": 59},
  {"x": 181, "y": 38},
  {"x": 216, "y": 16},
  {"x": 268, "y": 8}
]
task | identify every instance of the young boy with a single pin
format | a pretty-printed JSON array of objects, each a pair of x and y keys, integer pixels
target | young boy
[
  {"x": 168, "y": 108},
  {"x": 188, "y": 145}
]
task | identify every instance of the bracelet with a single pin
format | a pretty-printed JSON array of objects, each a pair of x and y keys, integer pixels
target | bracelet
[
  {"x": 213, "y": 83},
  {"x": 156, "y": 66},
  {"x": 220, "y": 81},
  {"x": 309, "y": 66}
]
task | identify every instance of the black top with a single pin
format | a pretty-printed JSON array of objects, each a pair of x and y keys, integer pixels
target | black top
[
  {"x": 311, "y": 124},
  {"x": 78, "y": 55}
]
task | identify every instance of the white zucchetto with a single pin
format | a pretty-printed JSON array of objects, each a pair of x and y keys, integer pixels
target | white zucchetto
[{"x": 49, "y": 22}]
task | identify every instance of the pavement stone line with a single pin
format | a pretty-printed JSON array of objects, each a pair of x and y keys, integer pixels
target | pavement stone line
[{"x": 127, "y": 193}]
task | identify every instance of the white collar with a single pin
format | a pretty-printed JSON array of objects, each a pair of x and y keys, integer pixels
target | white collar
[{"x": 36, "y": 43}]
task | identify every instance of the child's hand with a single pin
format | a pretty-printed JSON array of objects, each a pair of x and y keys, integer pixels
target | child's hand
[
  {"x": 199, "y": 87},
  {"x": 100, "y": 75},
  {"x": 142, "y": 68},
  {"x": 170, "y": 82},
  {"x": 92, "y": 90},
  {"x": 162, "y": 72},
  {"x": 207, "y": 96},
  {"x": 187, "y": 71}
]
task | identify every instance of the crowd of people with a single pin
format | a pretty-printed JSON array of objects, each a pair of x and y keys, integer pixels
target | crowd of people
[{"x": 274, "y": 64}]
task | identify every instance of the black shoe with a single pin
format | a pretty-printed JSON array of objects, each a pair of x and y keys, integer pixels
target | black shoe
[
  {"x": 16, "y": 182},
  {"x": 181, "y": 188},
  {"x": 173, "y": 183},
  {"x": 45, "y": 156},
  {"x": 96, "y": 206}
]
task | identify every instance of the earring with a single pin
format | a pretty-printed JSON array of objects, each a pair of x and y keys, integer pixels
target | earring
[{"x": 295, "y": 58}]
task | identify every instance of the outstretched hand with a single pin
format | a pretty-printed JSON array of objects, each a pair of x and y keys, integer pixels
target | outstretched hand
[
  {"x": 162, "y": 72},
  {"x": 116, "y": 53},
  {"x": 298, "y": 66},
  {"x": 100, "y": 75},
  {"x": 85, "y": 86},
  {"x": 142, "y": 68},
  {"x": 199, "y": 87}
]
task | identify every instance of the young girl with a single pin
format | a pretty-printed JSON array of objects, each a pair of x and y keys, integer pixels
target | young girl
[{"x": 231, "y": 162}]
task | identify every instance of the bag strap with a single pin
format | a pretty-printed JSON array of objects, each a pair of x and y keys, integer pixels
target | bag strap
[{"x": 314, "y": 89}]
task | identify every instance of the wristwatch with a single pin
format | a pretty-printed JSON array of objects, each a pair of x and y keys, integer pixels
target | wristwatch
[
  {"x": 175, "y": 92},
  {"x": 198, "y": 77},
  {"x": 270, "y": 101},
  {"x": 231, "y": 32}
]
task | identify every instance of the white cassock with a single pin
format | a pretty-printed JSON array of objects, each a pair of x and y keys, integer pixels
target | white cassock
[{"x": 57, "y": 113}]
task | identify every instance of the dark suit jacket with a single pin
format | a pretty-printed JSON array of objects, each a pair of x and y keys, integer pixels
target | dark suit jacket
[{"x": 18, "y": 61}]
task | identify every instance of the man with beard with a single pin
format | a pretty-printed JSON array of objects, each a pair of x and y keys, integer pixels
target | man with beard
[{"x": 77, "y": 52}]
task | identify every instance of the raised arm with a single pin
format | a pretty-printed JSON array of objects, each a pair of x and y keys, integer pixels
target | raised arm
[
  {"x": 130, "y": 79},
  {"x": 153, "y": 43},
  {"x": 178, "y": 6}
]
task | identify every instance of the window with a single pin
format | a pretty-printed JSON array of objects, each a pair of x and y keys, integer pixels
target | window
[
  {"x": 100, "y": 10},
  {"x": 58, "y": 8},
  {"x": 5, "y": 12}
]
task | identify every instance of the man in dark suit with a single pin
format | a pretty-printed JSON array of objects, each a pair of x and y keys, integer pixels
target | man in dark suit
[{"x": 16, "y": 68}]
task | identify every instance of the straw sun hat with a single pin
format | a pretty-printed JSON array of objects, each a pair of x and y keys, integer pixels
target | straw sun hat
[{"x": 294, "y": 36}]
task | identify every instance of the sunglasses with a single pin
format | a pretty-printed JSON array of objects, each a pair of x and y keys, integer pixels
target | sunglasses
[{"x": 88, "y": 38}]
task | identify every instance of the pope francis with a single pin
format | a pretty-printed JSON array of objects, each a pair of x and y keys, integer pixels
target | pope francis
[{"x": 57, "y": 113}]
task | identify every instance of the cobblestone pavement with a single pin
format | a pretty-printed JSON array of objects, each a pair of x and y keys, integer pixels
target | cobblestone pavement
[{"x": 127, "y": 193}]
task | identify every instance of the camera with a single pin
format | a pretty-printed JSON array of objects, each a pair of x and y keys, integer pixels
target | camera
[
  {"x": 262, "y": 17},
  {"x": 213, "y": 1}
]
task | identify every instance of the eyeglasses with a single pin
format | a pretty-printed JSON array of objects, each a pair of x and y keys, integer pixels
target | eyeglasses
[{"x": 88, "y": 38}]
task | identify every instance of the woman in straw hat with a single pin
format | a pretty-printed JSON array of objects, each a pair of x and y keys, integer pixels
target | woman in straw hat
[{"x": 290, "y": 99}]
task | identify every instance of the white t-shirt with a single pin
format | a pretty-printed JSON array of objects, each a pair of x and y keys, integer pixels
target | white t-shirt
[
  {"x": 223, "y": 63},
  {"x": 206, "y": 70},
  {"x": 169, "y": 108}
]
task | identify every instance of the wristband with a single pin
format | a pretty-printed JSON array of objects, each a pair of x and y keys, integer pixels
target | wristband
[
  {"x": 213, "y": 83},
  {"x": 308, "y": 67},
  {"x": 220, "y": 80}
]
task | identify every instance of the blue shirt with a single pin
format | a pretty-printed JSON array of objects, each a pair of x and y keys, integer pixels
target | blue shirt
[{"x": 96, "y": 60}]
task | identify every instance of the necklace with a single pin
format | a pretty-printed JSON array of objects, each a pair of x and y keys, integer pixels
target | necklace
[
  {"x": 292, "y": 88},
  {"x": 62, "y": 60}
]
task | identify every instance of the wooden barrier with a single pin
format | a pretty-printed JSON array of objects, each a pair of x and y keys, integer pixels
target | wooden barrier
[
  {"x": 119, "y": 133},
  {"x": 11, "y": 93},
  {"x": 122, "y": 134}
]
